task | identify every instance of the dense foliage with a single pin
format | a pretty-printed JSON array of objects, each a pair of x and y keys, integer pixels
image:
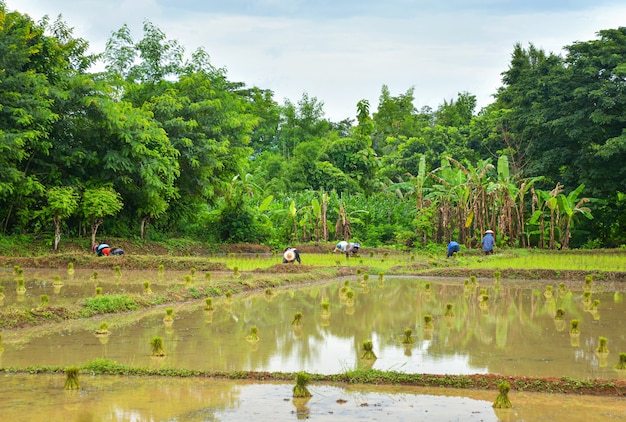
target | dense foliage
[{"x": 162, "y": 141}]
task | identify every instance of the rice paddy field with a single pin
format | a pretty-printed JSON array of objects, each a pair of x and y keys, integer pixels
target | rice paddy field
[{"x": 560, "y": 260}]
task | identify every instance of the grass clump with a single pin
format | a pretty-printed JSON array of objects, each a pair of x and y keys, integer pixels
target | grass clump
[{"x": 108, "y": 304}]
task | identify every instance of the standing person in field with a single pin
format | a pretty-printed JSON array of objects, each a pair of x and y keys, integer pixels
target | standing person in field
[
  {"x": 488, "y": 242},
  {"x": 453, "y": 247},
  {"x": 290, "y": 255}
]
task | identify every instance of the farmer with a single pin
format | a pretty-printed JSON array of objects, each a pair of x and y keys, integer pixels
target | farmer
[
  {"x": 347, "y": 248},
  {"x": 488, "y": 242},
  {"x": 290, "y": 255},
  {"x": 453, "y": 247},
  {"x": 102, "y": 249}
]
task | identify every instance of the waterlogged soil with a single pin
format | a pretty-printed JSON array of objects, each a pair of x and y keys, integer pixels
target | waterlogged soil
[
  {"x": 514, "y": 338},
  {"x": 43, "y": 398},
  {"x": 515, "y": 334}
]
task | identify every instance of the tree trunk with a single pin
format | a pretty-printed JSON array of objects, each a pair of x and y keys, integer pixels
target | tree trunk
[
  {"x": 57, "y": 233},
  {"x": 94, "y": 230},
  {"x": 324, "y": 219},
  {"x": 145, "y": 223}
]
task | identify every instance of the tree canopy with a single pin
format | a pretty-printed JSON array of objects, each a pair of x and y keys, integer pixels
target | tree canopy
[{"x": 162, "y": 139}]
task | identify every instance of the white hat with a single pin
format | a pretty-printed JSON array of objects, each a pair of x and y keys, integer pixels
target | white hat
[
  {"x": 289, "y": 255},
  {"x": 489, "y": 231}
]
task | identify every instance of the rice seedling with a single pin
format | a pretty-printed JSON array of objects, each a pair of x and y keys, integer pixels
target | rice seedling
[
  {"x": 529, "y": 260},
  {"x": 408, "y": 336},
  {"x": 602, "y": 349},
  {"x": 253, "y": 337},
  {"x": 21, "y": 287},
  {"x": 502, "y": 401},
  {"x": 548, "y": 292},
  {"x": 368, "y": 351},
  {"x": 146, "y": 287},
  {"x": 300, "y": 390},
  {"x": 297, "y": 319},
  {"x": 350, "y": 297},
  {"x": 621, "y": 365},
  {"x": 169, "y": 315},
  {"x": 157, "y": 346},
  {"x": 71, "y": 378},
  {"x": 428, "y": 323},
  {"x": 103, "y": 330},
  {"x": 208, "y": 304}
]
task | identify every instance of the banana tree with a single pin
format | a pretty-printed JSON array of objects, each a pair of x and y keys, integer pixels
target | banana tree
[
  {"x": 546, "y": 203},
  {"x": 570, "y": 207}
]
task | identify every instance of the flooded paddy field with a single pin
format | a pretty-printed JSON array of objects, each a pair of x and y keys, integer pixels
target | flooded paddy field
[
  {"x": 514, "y": 333},
  {"x": 486, "y": 327},
  {"x": 104, "y": 398}
]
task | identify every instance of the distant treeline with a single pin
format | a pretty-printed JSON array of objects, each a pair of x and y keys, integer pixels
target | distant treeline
[{"x": 162, "y": 144}]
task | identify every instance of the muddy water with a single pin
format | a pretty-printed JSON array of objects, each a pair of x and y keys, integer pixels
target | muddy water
[
  {"x": 515, "y": 333},
  {"x": 43, "y": 398}
]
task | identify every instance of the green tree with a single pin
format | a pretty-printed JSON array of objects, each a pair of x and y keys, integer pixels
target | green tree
[
  {"x": 99, "y": 203},
  {"x": 62, "y": 203}
]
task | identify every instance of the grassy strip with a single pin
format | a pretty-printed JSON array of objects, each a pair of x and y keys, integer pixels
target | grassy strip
[
  {"x": 14, "y": 317},
  {"x": 370, "y": 376}
]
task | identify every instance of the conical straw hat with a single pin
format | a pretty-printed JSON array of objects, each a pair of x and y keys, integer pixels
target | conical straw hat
[{"x": 290, "y": 255}]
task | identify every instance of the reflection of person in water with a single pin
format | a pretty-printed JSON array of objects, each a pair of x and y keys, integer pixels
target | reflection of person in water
[
  {"x": 453, "y": 247},
  {"x": 290, "y": 255},
  {"x": 102, "y": 249}
]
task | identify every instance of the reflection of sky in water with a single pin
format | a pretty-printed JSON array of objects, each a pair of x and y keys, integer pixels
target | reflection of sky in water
[{"x": 516, "y": 336}]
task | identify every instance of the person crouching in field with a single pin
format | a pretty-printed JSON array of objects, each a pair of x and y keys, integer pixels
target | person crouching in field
[
  {"x": 290, "y": 255},
  {"x": 102, "y": 249},
  {"x": 347, "y": 248},
  {"x": 453, "y": 247}
]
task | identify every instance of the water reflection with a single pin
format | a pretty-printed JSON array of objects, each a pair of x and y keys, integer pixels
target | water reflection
[
  {"x": 513, "y": 332},
  {"x": 42, "y": 398}
]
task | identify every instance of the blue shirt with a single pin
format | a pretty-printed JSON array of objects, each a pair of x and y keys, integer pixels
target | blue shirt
[
  {"x": 453, "y": 247},
  {"x": 488, "y": 242}
]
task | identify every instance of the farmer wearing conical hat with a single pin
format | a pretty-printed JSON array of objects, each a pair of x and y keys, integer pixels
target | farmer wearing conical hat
[
  {"x": 488, "y": 242},
  {"x": 290, "y": 255}
]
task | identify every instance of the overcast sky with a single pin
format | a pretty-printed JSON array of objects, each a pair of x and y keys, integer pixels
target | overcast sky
[{"x": 343, "y": 51}]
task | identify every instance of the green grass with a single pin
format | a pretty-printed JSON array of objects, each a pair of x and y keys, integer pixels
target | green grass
[
  {"x": 556, "y": 260},
  {"x": 381, "y": 262}
]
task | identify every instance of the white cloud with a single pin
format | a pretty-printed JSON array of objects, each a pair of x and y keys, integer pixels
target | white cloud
[{"x": 437, "y": 47}]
